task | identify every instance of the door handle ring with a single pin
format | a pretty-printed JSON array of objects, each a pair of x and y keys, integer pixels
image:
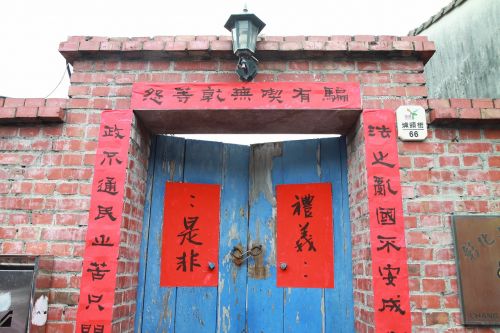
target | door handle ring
[{"x": 239, "y": 256}]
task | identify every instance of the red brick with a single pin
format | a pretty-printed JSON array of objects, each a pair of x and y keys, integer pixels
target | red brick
[
  {"x": 472, "y": 161},
  {"x": 132, "y": 45},
  {"x": 358, "y": 46},
  {"x": 492, "y": 133},
  {"x": 29, "y": 131},
  {"x": 41, "y": 218},
  {"x": 63, "y": 234},
  {"x": 423, "y": 162},
  {"x": 34, "y": 102},
  {"x": 317, "y": 38},
  {"x": 402, "y": 45},
  {"x": 475, "y": 206},
  {"x": 367, "y": 65},
  {"x": 439, "y": 103},
  {"x": 60, "y": 327},
  {"x": 27, "y": 112},
  {"x": 290, "y": 46},
  {"x": 299, "y": 65},
  {"x": 409, "y": 78},
  {"x": 460, "y": 103},
  {"x": 299, "y": 38},
  {"x": 433, "y": 285},
  {"x": 374, "y": 104},
  {"x": 101, "y": 91},
  {"x": 336, "y": 46},
  {"x": 422, "y": 147},
  {"x": 195, "y": 65},
  {"x": 7, "y": 114},
  {"x": 13, "y": 102},
  {"x": 221, "y": 45},
  {"x": 478, "y": 147},
  {"x": 426, "y": 301},
  {"x": 440, "y": 270},
  {"x": 430, "y": 207},
  {"x": 451, "y": 189},
  {"x": 12, "y": 247},
  {"x": 375, "y": 78},
  {"x": 402, "y": 65},
  {"x": 79, "y": 103},
  {"x": 364, "y": 38},
  {"x": 417, "y": 237},
  {"x": 476, "y": 175},
  {"x": 313, "y": 45},
  {"x": 420, "y": 254},
  {"x": 404, "y": 161},
  {"x": 381, "y": 45},
  {"x": 56, "y": 102},
  {"x": 268, "y": 46},
  {"x": 416, "y": 91},
  {"x": 44, "y": 188},
  {"x": 37, "y": 248},
  {"x": 482, "y": 103},
  {"x": 289, "y": 77},
  {"x": 443, "y": 114},
  {"x": 332, "y": 65},
  {"x": 8, "y": 232},
  {"x": 437, "y": 318},
  {"x": 469, "y": 113}
]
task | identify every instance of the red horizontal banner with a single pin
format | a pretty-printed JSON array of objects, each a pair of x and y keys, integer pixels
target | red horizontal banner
[
  {"x": 304, "y": 235},
  {"x": 190, "y": 243},
  {"x": 242, "y": 96}
]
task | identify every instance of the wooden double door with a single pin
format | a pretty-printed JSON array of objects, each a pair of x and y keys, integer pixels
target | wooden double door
[{"x": 246, "y": 298}]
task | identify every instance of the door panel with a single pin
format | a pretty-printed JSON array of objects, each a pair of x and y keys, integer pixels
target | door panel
[
  {"x": 196, "y": 307},
  {"x": 265, "y": 301},
  {"x": 159, "y": 303},
  {"x": 247, "y": 299}
]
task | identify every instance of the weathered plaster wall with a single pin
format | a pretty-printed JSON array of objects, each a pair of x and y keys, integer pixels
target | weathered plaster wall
[{"x": 467, "y": 60}]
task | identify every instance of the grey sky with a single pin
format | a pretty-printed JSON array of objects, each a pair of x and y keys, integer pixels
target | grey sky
[{"x": 30, "y": 30}]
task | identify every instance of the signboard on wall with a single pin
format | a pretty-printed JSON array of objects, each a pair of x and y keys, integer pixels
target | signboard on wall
[
  {"x": 411, "y": 122},
  {"x": 477, "y": 246}
]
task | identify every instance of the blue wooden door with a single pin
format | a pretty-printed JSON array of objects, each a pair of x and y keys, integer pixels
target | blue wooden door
[{"x": 246, "y": 299}]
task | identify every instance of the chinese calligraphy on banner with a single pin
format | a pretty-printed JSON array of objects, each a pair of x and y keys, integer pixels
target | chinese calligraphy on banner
[
  {"x": 190, "y": 243},
  {"x": 387, "y": 230},
  {"x": 97, "y": 291},
  {"x": 240, "y": 96},
  {"x": 304, "y": 235}
]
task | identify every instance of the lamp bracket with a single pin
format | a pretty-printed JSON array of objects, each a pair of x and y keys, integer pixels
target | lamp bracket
[{"x": 246, "y": 67}]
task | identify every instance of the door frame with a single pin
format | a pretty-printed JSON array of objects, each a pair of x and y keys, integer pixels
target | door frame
[{"x": 343, "y": 319}]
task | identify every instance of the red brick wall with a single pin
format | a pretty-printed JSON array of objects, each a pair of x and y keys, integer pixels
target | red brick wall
[
  {"x": 46, "y": 173},
  {"x": 455, "y": 171}
]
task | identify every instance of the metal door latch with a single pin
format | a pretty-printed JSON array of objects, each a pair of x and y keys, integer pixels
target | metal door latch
[{"x": 239, "y": 256}]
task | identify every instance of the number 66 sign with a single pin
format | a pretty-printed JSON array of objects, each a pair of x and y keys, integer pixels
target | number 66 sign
[{"x": 412, "y": 125}]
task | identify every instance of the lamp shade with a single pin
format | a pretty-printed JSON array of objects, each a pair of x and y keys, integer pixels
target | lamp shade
[{"x": 244, "y": 29}]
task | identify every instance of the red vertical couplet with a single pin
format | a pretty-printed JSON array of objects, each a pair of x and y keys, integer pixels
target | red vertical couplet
[
  {"x": 97, "y": 290},
  {"x": 304, "y": 235},
  {"x": 387, "y": 230},
  {"x": 190, "y": 243}
]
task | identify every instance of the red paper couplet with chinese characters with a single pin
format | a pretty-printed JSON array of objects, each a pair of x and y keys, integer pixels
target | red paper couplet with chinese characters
[
  {"x": 244, "y": 96},
  {"x": 387, "y": 229},
  {"x": 304, "y": 235},
  {"x": 97, "y": 290},
  {"x": 190, "y": 243}
]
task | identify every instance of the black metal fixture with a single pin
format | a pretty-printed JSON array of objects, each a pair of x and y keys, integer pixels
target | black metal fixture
[{"x": 245, "y": 28}]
